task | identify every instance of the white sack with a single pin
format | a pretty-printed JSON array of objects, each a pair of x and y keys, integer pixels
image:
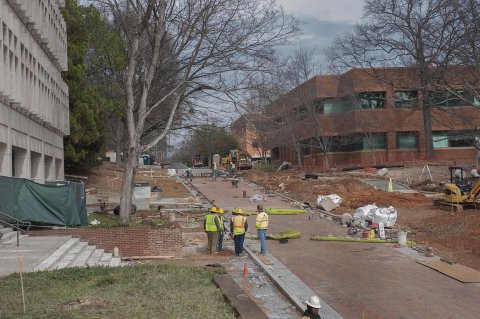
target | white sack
[
  {"x": 334, "y": 197},
  {"x": 363, "y": 212}
]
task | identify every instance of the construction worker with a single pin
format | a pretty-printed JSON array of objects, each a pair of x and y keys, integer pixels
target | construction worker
[
  {"x": 214, "y": 171},
  {"x": 261, "y": 224},
  {"x": 222, "y": 229},
  {"x": 233, "y": 169},
  {"x": 189, "y": 172},
  {"x": 211, "y": 224},
  {"x": 238, "y": 227},
  {"x": 313, "y": 305}
]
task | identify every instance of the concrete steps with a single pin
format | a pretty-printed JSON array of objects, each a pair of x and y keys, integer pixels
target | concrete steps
[
  {"x": 75, "y": 253},
  {"x": 8, "y": 236},
  {"x": 72, "y": 253}
]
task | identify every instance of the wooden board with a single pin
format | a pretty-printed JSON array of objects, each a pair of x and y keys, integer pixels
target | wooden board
[
  {"x": 457, "y": 271},
  {"x": 240, "y": 301}
]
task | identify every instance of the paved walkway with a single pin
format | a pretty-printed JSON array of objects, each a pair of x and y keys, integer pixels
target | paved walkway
[
  {"x": 32, "y": 250},
  {"x": 352, "y": 278}
]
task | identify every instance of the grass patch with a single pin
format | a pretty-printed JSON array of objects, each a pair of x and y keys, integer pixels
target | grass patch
[{"x": 142, "y": 291}]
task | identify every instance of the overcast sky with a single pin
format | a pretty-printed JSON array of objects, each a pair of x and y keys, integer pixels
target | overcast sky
[{"x": 323, "y": 20}]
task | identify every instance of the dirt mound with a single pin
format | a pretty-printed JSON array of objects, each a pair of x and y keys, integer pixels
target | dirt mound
[{"x": 353, "y": 192}]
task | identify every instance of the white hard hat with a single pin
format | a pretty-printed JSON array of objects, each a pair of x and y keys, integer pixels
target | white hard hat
[{"x": 314, "y": 302}]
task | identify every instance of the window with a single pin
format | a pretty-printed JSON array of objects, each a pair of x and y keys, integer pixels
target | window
[
  {"x": 371, "y": 100},
  {"x": 452, "y": 98},
  {"x": 336, "y": 106},
  {"x": 405, "y": 99},
  {"x": 302, "y": 112},
  {"x": 358, "y": 142},
  {"x": 376, "y": 141},
  {"x": 452, "y": 139},
  {"x": 406, "y": 140}
]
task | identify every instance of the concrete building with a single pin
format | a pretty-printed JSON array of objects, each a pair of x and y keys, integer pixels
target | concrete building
[
  {"x": 368, "y": 117},
  {"x": 34, "y": 111}
]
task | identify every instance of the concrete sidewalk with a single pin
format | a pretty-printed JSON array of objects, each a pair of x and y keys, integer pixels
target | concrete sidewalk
[{"x": 32, "y": 250}]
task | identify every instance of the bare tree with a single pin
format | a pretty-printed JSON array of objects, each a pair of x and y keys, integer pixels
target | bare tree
[
  {"x": 184, "y": 48},
  {"x": 422, "y": 34}
]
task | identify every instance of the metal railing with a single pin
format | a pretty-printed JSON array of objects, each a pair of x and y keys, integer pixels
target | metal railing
[{"x": 16, "y": 224}]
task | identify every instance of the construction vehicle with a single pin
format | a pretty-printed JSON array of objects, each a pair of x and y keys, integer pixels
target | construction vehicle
[
  {"x": 197, "y": 161},
  {"x": 460, "y": 192},
  {"x": 241, "y": 159}
]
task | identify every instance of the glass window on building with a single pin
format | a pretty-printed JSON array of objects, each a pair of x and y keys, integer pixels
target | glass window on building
[
  {"x": 341, "y": 144},
  {"x": 405, "y": 99},
  {"x": 371, "y": 100},
  {"x": 452, "y": 98},
  {"x": 375, "y": 141},
  {"x": 407, "y": 140},
  {"x": 452, "y": 139},
  {"x": 302, "y": 112},
  {"x": 305, "y": 147},
  {"x": 336, "y": 106}
]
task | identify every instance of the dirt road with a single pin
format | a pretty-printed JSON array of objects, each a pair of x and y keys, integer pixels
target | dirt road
[{"x": 353, "y": 277}]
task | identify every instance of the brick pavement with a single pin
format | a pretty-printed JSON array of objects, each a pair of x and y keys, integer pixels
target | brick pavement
[{"x": 352, "y": 278}]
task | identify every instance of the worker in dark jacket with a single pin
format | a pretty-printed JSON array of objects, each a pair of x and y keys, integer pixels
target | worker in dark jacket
[
  {"x": 212, "y": 227},
  {"x": 222, "y": 229},
  {"x": 313, "y": 306},
  {"x": 238, "y": 227}
]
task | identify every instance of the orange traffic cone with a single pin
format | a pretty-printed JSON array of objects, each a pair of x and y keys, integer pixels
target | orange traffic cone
[{"x": 245, "y": 270}]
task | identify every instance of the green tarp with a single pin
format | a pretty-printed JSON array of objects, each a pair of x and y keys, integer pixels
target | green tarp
[{"x": 62, "y": 205}]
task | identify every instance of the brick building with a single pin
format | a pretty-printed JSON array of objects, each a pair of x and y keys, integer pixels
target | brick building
[
  {"x": 34, "y": 111},
  {"x": 248, "y": 131},
  {"x": 366, "y": 117}
]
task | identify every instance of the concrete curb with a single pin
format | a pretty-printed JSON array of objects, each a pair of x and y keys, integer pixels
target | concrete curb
[{"x": 291, "y": 286}]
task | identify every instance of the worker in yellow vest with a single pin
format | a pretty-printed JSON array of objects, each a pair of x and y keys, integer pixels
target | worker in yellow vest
[
  {"x": 261, "y": 223},
  {"x": 222, "y": 229},
  {"x": 238, "y": 227},
  {"x": 233, "y": 169},
  {"x": 211, "y": 224}
]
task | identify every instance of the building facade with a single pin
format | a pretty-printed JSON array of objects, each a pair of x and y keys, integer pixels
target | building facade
[
  {"x": 34, "y": 109},
  {"x": 375, "y": 117},
  {"x": 248, "y": 130}
]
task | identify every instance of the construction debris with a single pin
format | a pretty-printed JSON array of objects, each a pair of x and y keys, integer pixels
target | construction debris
[
  {"x": 256, "y": 198},
  {"x": 334, "y": 197},
  {"x": 327, "y": 204},
  {"x": 374, "y": 214}
]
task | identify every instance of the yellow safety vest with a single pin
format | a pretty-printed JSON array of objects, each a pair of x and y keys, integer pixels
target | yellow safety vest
[
  {"x": 238, "y": 224},
  {"x": 262, "y": 221},
  {"x": 222, "y": 226},
  {"x": 210, "y": 222}
]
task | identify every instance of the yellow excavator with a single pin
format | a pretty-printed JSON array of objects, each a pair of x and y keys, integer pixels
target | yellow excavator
[{"x": 460, "y": 192}]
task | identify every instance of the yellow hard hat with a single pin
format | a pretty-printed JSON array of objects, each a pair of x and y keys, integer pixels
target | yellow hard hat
[
  {"x": 220, "y": 211},
  {"x": 214, "y": 209},
  {"x": 237, "y": 211}
]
